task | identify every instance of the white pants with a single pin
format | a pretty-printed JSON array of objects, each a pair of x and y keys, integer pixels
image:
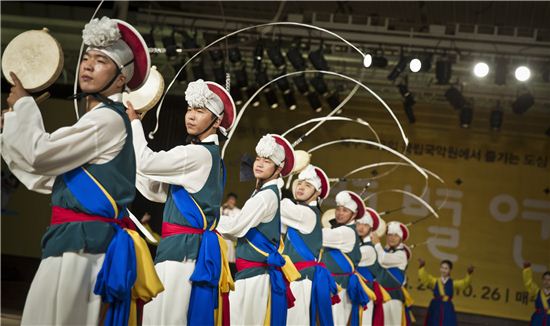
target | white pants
[
  {"x": 62, "y": 291},
  {"x": 230, "y": 250},
  {"x": 299, "y": 314},
  {"x": 393, "y": 311},
  {"x": 249, "y": 300},
  {"x": 341, "y": 312},
  {"x": 170, "y": 307},
  {"x": 367, "y": 314}
]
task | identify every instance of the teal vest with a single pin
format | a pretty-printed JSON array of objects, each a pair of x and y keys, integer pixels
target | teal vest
[
  {"x": 186, "y": 246},
  {"x": 387, "y": 280},
  {"x": 117, "y": 176},
  {"x": 314, "y": 242},
  {"x": 271, "y": 230},
  {"x": 354, "y": 255}
]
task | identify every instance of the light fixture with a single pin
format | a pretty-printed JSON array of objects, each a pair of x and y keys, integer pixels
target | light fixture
[
  {"x": 271, "y": 97},
  {"x": 314, "y": 102},
  {"x": 236, "y": 95},
  {"x": 276, "y": 57},
  {"x": 318, "y": 83},
  {"x": 241, "y": 77},
  {"x": 481, "y": 69},
  {"x": 367, "y": 60},
  {"x": 249, "y": 92},
  {"x": 495, "y": 118},
  {"x": 301, "y": 83},
  {"x": 455, "y": 98},
  {"x": 408, "y": 101},
  {"x": 290, "y": 100},
  {"x": 295, "y": 57},
  {"x": 522, "y": 73},
  {"x": 379, "y": 61},
  {"x": 523, "y": 102},
  {"x": 333, "y": 100},
  {"x": 169, "y": 43},
  {"x": 258, "y": 55},
  {"x": 466, "y": 115},
  {"x": 398, "y": 69},
  {"x": 443, "y": 70},
  {"x": 501, "y": 70},
  {"x": 198, "y": 71},
  {"x": 219, "y": 74},
  {"x": 415, "y": 65},
  {"x": 318, "y": 60}
]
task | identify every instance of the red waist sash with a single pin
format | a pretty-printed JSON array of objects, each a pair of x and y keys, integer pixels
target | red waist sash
[
  {"x": 62, "y": 215},
  {"x": 307, "y": 264},
  {"x": 170, "y": 229}
]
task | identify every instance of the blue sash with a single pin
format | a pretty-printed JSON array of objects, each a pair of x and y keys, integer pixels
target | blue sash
[
  {"x": 397, "y": 274},
  {"x": 366, "y": 273},
  {"x": 278, "y": 286},
  {"x": 91, "y": 194},
  {"x": 355, "y": 291},
  {"x": 117, "y": 277},
  {"x": 323, "y": 284},
  {"x": 206, "y": 275}
]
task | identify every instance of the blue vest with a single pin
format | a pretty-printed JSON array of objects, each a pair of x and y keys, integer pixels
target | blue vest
[
  {"x": 186, "y": 246},
  {"x": 313, "y": 241},
  {"x": 271, "y": 230},
  {"x": 117, "y": 177}
]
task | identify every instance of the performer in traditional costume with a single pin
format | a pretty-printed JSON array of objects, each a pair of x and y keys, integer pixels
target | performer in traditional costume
[
  {"x": 89, "y": 168},
  {"x": 189, "y": 179},
  {"x": 441, "y": 310},
  {"x": 369, "y": 267},
  {"x": 541, "y": 316},
  {"x": 394, "y": 259},
  {"x": 303, "y": 244},
  {"x": 342, "y": 255},
  {"x": 263, "y": 273}
]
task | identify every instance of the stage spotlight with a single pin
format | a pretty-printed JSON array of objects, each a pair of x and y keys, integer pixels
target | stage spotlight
[
  {"x": 236, "y": 95},
  {"x": 522, "y": 73},
  {"x": 501, "y": 71},
  {"x": 216, "y": 55},
  {"x": 241, "y": 77},
  {"x": 466, "y": 115},
  {"x": 408, "y": 102},
  {"x": 367, "y": 60},
  {"x": 546, "y": 72},
  {"x": 314, "y": 102},
  {"x": 455, "y": 98},
  {"x": 150, "y": 39},
  {"x": 190, "y": 43},
  {"x": 235, "y": 54},
  {"x": 283, "y": 83},
  {"x": 443, "y": 69},
  {"x": 398, "y": 69},
  {"x": 318, "y": 83},
  {"x": 379, "y": 61},
  {"x": 301, "y": 83},
  {"x": 219, "y": 74},
  {"x": 249, "y": 92},
  {"x": 415, "y": 65},
  {"x": 290, "y": 100},
  {"x": 481, "y": 69},
  {"x": 523, "y": 102},
  {"x": 271, "y": 97},
  {"x": 333, "y": 100},
  {"x": 495, "y": 119},
  {"x": 258, "y": 55},
  {"x": 276, "y": 57},
  {"x": 182, "y": 77},
  {"x": 318, "y": 60},
  {"x": 295, "y": 57},
  {"x": 198, "y": 71},
  {"x": 261, "y": 77}
]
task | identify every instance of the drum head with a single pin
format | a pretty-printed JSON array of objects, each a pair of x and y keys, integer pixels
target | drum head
[
  {"x": 302, "y": 160},
  {"x": 381, "y": 231},
  {"x": 35, "y": 57},
  {"x": 147, "y": 96},
  {"x": 327, "y": 216}
]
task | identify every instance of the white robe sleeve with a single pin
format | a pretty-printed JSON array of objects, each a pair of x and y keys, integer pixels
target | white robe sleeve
[
  {"x": 342, "y": 238},
  {"x": 258, "y": 209},
  {"x": 391, "y": 259},
  {"x": 187, "y": 166},
  {"x": 98, "y": 134},
  {"x": 299, "y": 217},
  {"x": 368, "y": 256}
]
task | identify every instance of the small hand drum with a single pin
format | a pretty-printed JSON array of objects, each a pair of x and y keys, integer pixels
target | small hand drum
[
  {"x": 302, "y": 159},
  {"x": 381, "y": 231},
  {"x": 35, "y": 57},
  {"x": 147, "y": 96},
  {"x": 327, "y": 216}
]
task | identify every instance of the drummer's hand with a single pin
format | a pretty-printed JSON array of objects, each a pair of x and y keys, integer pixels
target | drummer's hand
[
  {"x": 421, "y": 263},
  {"x": 17, "y": 90},
  {"x": 374, "y": 238},
  {"x": 132, "y": 114},
  {"x": 470, "y": 269}
]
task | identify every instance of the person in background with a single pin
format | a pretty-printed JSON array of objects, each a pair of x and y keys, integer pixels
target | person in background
[
  {"x": 441, "y": 310},
  {"x": 230, "y": 209},
  {"x": 541, "y": 316}
]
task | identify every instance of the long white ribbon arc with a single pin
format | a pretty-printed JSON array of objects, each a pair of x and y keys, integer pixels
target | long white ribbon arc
[
  {"x": 245, "y": 106},
  {"x": 330, "y": 118},
  {"x": 417, "y": 198},
  {"x": 151, "y": 134},
  {"x": 75, "y": 87},
  {"x": 368, "y": 142},
  {"x": 142, "y": 228}
]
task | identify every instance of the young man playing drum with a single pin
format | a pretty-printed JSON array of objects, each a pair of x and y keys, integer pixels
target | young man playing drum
[
  {"x": 189, "y": 179},
  {"x": 89, "y": 168},
  {"x": 260, "y": 295},
  {"x": 303, "y": 244}
]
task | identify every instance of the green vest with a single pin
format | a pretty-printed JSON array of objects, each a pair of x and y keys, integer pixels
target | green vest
[
  {"x": 354, "y": 255},
  {"x": 117, "y": 176},
  {"x": 271, "y": 230},
  {"x": 186, "y": 246}
]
